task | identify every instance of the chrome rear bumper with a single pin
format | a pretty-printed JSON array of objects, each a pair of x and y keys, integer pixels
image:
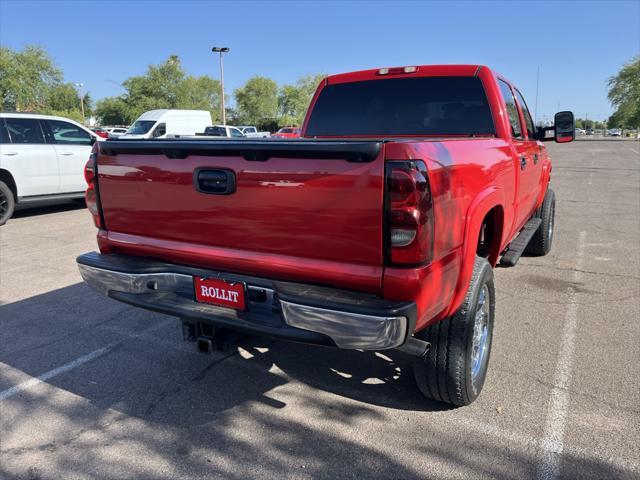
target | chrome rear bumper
[{"x": 286, "y": 310}]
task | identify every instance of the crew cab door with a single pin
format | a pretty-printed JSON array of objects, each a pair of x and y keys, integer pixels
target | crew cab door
[
  {"x": 535, "y": 147},
  {"x": 525, "y": 155},
  {"x": 73, "y": 147},
  {"x": 29, "y": 158}
]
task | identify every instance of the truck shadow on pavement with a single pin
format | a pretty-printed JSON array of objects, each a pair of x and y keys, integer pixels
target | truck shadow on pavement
[{"x": 151, "y": 407}]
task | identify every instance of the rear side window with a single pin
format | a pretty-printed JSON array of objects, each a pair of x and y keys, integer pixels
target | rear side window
[
  {"x": 4, "y": 134},
  {"x": 512, "y": 110},
  {"x": 215, "y": 132},
  {"x": 403, "y": 106},
  {"x": 66, "y": 133},
  {"x": 24, "y": 130},
  {"x": 527, "y": 116}
]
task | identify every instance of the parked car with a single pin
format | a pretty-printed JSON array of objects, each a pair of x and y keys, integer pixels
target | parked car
[
  {"x": 223, "y": 131},
  {"x": 101, "y": 132},
  {"x": 252, "y": 132},
  {"x": 168, "y": 123},
  {"x": 580, "y": 131},
  {"x": 287, "y": 132},
  {"x": 115, "y": 132},
  {"x": 42, "y": 157},
  {"x": 589, "y": 131},
  {"x": 379, "y": 229},
  {"x": 615, "y": 132}
]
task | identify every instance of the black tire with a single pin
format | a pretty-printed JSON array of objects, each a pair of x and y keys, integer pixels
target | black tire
[
  {"x": 540, "y": 243},
  {"x": 445, "y": 373},
  {"x": 7, "y": 203}
]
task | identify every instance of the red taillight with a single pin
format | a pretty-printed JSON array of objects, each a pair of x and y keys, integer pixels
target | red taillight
[
  {"x": 91, "y": 195},
  {"x": 410, "y": 213},
  {"x": 89, "y": 172}
]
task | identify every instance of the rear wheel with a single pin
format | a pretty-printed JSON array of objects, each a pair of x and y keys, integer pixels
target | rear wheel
[
  {"x": 455, "y": 367},
  {"x": 7, "y": 203},
  {"x": 540, "y": 243}
]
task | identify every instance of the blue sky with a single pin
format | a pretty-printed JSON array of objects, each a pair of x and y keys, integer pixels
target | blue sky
[{"x": 576, "y": 44}]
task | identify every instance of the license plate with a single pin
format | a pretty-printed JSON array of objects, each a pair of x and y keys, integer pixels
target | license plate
[{"x": 220, "y": 292}]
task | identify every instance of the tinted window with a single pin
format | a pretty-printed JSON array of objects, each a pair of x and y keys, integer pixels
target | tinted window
[
  {"x": 235, "y": 132},
  {"x": 512, "y": 110},
  {"x": 140, "y": 127},
  {"x": 160, "y": 130},
  {"x": 4, "y": 135},
  {"x": 68, "y": 134},
  {"x": 403, "y": 106},
  {"x": 527, "y": 116},
  {"x": 215, "y": 132},
  {"x": 24, "y": 130}
]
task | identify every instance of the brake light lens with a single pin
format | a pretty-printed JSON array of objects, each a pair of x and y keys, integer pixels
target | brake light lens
[
  {"x": 91, "y": 195},
  {"x": 410, "y": 213}
]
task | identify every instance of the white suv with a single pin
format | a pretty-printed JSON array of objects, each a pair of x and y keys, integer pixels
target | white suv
[{"x": 41, "y": 158}]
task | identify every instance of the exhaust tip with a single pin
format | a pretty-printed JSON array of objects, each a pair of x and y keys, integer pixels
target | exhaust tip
[{"x": 416, "y": 347}]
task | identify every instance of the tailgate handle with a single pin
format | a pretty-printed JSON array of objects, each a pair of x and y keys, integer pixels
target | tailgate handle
[{"x": 216, "y": 182}]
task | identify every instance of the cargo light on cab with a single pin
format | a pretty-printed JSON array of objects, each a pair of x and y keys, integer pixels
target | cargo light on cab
[{"x": 397, "y": 70}]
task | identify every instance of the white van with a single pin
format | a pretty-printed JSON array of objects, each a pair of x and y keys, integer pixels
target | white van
[{"x": 167, "y": 123}]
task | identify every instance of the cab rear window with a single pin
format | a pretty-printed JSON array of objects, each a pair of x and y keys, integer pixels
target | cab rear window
[{"x": 403, "y": 106}]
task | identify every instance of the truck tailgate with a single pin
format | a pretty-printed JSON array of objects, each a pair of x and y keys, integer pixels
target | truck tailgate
[{"x": 307, "y": 210}]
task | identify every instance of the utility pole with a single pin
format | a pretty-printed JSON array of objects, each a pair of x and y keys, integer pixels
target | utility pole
[
  {"x": 221, "y": 50},
  {"x": 80, "y": 85}
]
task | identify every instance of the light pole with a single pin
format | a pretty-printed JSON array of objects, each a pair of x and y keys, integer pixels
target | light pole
[
  {"x": 221, "y": 50},
  {"x": 80, "y": 85},
  {"x": 118, "y": 84}
]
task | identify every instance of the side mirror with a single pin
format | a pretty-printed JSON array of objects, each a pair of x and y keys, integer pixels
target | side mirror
[
  {"x": 564, "y": 127},
  {"x": 93, "y": 139}
]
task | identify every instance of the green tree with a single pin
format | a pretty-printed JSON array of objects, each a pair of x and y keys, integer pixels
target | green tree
[
  {"x": 64, "y": 100},
  {"x": 200, "y": 93},
  {"x": 114, "y": 111},
  {"x": 257, "y": 101},
  {"x": 26, "y": 78},
  {"x": 293, "y": 100},
  {"x": 162, "y": 86},
  {"x": 624, "y": 95}
]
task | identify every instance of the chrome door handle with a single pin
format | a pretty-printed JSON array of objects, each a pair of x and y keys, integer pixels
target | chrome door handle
[
  {"x": 67, "y": 154},
  {"x": 10, "y": 154}
]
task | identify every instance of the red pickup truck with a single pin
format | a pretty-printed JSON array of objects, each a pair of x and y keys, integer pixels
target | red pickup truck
[{"x": 378, "y": 229}]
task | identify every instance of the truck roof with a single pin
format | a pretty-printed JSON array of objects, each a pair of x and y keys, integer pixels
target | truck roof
[{"x": 420, "y": 71}]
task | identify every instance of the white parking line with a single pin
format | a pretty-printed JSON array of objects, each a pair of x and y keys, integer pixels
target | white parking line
[
  {"x": 635, "y": 151},
  {"x": 553, "y": 440},
  {"x": 21, "y": 387}
]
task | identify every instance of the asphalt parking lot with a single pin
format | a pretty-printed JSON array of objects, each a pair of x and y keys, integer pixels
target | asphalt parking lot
[{"x": 91, "y": 388}]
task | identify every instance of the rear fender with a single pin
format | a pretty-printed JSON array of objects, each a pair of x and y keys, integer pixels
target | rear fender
[
  {"x": 488, "y": 199},
  {"x": 546, "y": 178}
]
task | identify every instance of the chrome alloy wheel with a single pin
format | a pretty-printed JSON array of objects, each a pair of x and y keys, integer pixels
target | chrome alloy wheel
[{"x": 479, "y": 342}]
